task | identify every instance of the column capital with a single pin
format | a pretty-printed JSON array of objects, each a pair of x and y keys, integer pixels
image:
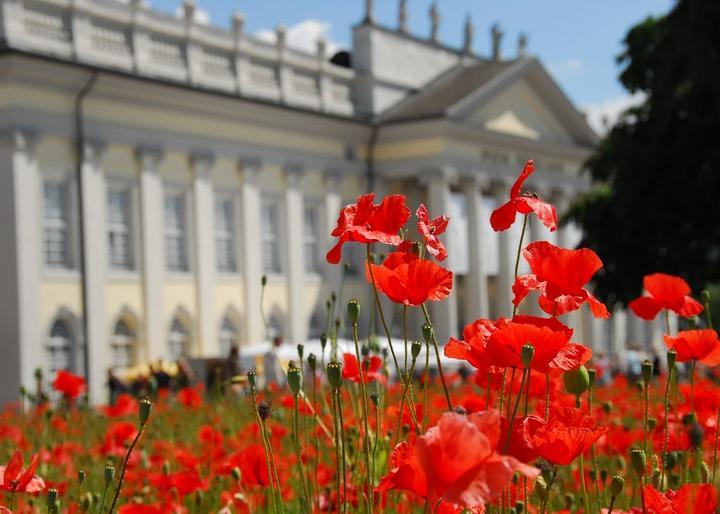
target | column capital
[
  {"x": 333, "y": 177},
  {"x": 249, "y": 167},
  {"x": 148, "y": 157},
  {"x": 476, "y": 181},
  {"x": 201, "y": 163},
  {"x": 93, "y": 150},
  {"x": 22, "y": 139},
  {"x": 293, "y": 173},
  {"x": 446, "y": 173}
]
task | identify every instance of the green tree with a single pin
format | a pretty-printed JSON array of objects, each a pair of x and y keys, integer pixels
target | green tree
[{"x": 656, "y": 204}]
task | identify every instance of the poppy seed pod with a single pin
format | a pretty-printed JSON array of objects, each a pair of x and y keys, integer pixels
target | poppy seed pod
[
  {"x": 375, "y": 399},
  {"x": 334, "y": 375},
  {"x": 415, "y": 349},
  {"x": 301, "y": 351},
  {"x": 416, "y": 248},
  {"x": 52, "y": 495},
  {"x": 639, "y": 461},
  {"x": 592, "y": 374},
  {"x": 519, "y": 507},
  {"x": 109, "y": 473},
  {"x": 603, "y": 475},
  {"x": 541, "y": 488},
  {"x": 312, "y": 362},
  {"x": 696, "y": 434},
  {"x": 651, "y": 424},
  {"x": 294, "y": 379},
  {"x": 647, "y": 371},
  {"x": 617, "y": 485},
  {"x": 526, "y": 355},
  {"x": 263, "y": 280},
  {"x": 145, "y": 408},
  {"x": 82, "y": 474},
  {"x": 427, "y": 331},
  {"x": 353, "y": 311},
  {"x": 252, "y": 379},
  {"x": 576, "y": 380},
  {"x": 671, "y": 357}
]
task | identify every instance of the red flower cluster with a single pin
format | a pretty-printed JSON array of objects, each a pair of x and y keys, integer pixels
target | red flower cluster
[{"x": 69, "y": 384}]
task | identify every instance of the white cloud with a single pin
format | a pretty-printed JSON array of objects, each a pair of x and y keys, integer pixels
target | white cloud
[
  {"x": 201, "y": 16},
  {"x": 303, "y": 36},
  {"x": 567, "y": 67},
  {"x": 602, "y": 115}
]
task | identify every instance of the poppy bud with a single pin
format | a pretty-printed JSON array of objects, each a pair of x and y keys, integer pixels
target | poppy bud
[
  {"x": 338, "y": 322},
  {"x": 294, "y": 379},
  {"x": 519, "y": 507},
  {"x": 576, "y": 380},
  {"x": 427, "y": 331},
  {"x": 671, "y": 357},
  {"x": 38, "y": 373},
  {"x": 236, "y": 474},
  {"x": 639, "y": 461},
  {"x": 592, "y": 373},
  {"x": 375, "y": 399},
  {"x": 416, "y": 248},
  {"x": 301, "y": 351},
  {"x": 607, "y": 407},
  {"x": 617, "y": 485},
  {"x": 365, "y": 350},
  {"x": 264, "y": 410},
  {"x": 655, "y": 478},
  {"x": 252, "y": 379},
  {"x": 705, "y": 295},
  {"x": 323, "y": 341},
  {"x": 263, "y": 280},
  {"x": 603, "y": 475},
  {"x": 353, "y": 311},
  {"x": 415, "y": 349},
  {"x": 145, "y": 408},
  {"x": 541, "y": 488},
  {"x": 704, "y": 473},
  {"x": 651, "y": 424},
  {"x": 526, "y": 355},
  {"x": 109, "y": 473},
  {"x": 696, "y": 434},
  {"x": 328, "y": 305},
  {"x": 670, "y": 461},
  {"x": 87, "y": 502},
  {"x": 81, "y": 476},
  {"x": 647, "y": 370},
  {"x": 312, "y": 362},
  {"x": 592, "y": 474},
  {"x": 689, "y": 419},
  {"x": 334, "y": 374}
]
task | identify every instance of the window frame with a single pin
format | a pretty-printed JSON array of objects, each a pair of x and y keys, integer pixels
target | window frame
[
  {"x": 132, "y": 244},
  {"x": 230, "y": 235},
  {"x": 278, "y": 240},
  {"x": 183, "y": 194}
]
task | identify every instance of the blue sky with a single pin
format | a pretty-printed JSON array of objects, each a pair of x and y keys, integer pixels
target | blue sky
[{"x": 576, "y": 39}]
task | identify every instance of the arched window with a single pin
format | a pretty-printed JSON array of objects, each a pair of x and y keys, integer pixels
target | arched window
[
  {"x": 228, "y": 335},
  {"x": 124, "y": 345},
  {"x": 60, "y": 347},
  {"x": 178, "y": 340},
  {"x": 317, "y": 327}
]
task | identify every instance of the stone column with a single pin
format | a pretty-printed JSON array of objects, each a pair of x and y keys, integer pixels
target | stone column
[
  {"x": 20, "y": 262},
  {"x": 476, "y": 292},
  {"x": 294, "y": 265},
  {"x": 444, "y": 314},
  {"x": 97, "y": 342},
  {"x": 506, "y": 258},
  {"x": 333, "y": 204},
  {"x": 153, "y": 251},
  {"x": 619, "y": 336},
  {"x": 204, "y": 244},
  {"x": 252, "y": 261}
]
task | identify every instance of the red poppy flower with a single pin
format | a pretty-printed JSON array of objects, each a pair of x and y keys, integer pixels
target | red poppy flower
[
  {"x": 189, "y": 397},
  {"x": 504, "y": 216},
  {"x": 69, "y": 384},
  {"x": 125, "y": 405},
  {"x": 549, "y": 337},
  {"x": 409, "y": 280},
  {"x": 472, "y": 347},
  {"x": 14, "y": 479},
  {"x": 371, "y": 368},
  {"x": 689, "y": 499},
  {"x": 520, "y": 446},
  {"x": 568, "y": 433},
  {"x": 365, "y": 222},
  {"x": 560, "y": 275},
  {"x": 455, "y": 460},
  {"x": 430, "y": 230},
  {"x": 700, "y": 345},
  {"x": 665, "y": 292}
]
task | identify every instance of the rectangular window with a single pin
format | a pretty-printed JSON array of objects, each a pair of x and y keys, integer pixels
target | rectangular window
[
  {"x": 175, "y": 232},
  {"x": 270, "y": 224},
  {"x": 311, "y": 243},
  {"x": 55, "y": 225},
  {"x": 225, "y": 235},
  {"x": 119, "y": 231}
]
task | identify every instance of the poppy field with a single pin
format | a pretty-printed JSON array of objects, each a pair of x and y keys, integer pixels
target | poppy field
[{"x": 534, "y": 427}]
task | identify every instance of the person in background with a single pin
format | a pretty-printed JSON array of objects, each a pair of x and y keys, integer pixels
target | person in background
[
  {"x": 185, "y": 375},
  {"x": 272, "y": 368},
  {"x": 116, "y": 387}
]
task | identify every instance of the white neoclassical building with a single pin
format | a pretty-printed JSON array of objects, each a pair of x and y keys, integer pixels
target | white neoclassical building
[{"x": 152, "y": 169}]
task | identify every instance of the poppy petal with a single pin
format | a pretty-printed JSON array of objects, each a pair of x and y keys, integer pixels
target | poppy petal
[
  {"x": 645, "y": 307},
  {"x": 503, "y": 217}
]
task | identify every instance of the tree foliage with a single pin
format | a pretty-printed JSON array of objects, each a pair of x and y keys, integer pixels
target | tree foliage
[{"x": 657, "y": 172}]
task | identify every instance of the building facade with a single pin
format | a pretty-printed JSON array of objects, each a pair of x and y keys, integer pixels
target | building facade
[{"x": 152, "y": 169}]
